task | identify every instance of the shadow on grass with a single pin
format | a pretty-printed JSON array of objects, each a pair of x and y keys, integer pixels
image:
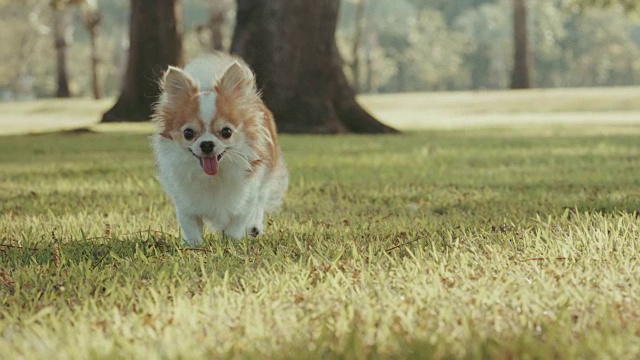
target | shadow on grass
[
  {"x": 98, "y": 251},
  {"x": 106, "y": 251},
  {"x": 75, "y": 131}
]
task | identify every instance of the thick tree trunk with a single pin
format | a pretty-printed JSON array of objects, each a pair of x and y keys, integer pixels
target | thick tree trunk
[
  {"x": 155, "y": 42},
  {"x": 521, "y": 77},
  {"x": 61, "y": 36},
  {"x": 291, "y": 47}
]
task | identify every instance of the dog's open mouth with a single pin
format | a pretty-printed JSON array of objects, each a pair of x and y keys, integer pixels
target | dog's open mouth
[{"x": 209, "y": 164}]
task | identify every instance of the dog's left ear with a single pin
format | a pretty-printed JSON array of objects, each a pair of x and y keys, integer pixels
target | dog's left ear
[{"x": 237, "y": 80}]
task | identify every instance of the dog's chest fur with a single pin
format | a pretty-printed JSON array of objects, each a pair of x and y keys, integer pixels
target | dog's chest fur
[{"x": 213, "y": 198}]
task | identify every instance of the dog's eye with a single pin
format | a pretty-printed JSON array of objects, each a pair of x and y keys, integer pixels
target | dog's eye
[
  {"x": 188, "y": 134},
  {"x": 226, "y": 133}
]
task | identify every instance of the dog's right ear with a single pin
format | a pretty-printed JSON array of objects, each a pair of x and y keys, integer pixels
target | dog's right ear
[{"x": 176, "y": 83}]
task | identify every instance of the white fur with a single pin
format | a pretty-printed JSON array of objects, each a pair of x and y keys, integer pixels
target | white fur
[
  {"x": 207, "y": 106},
  {"x": 232, "y": 201}
]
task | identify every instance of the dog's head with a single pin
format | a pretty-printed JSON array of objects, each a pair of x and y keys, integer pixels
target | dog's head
[{"x": 220, "y": 121}]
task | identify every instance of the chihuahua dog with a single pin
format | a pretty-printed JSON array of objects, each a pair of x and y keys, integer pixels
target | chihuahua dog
[{"x": 216, "y": 148}]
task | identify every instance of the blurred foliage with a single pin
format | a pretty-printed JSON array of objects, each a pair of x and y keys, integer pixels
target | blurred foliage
[
  {"x": 467, "y": 44},
  {"x": 627, "y": 5},
  {"x": 407, "y": 45}
]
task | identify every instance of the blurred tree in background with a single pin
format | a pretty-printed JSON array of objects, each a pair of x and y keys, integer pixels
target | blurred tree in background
[
  {"x": 481, "y": 33},
  {"x": 387, "y": 46},
  {"x": 62, "y": 36},
  {"x": 627, "y": 5},
  {"x": 155, "y": 43},
  {"x": 292, "y": 48},
  {"x": 521, "y": 77},
  {"x": 91, "y": 18}
]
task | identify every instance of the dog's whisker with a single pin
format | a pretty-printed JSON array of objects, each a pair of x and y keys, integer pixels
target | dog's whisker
[{"x": 237, "y": 155}]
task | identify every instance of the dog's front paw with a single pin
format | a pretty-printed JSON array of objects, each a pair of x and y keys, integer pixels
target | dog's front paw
[
  {"x": 191, "y": 229},
  {"x": 254, "y": 231},
  {"x": 192, "y": 242},
  {"x": 235, "y": 234}
]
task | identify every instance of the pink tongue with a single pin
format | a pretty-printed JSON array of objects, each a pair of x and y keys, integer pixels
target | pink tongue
[{"x": 210, "y": 165}]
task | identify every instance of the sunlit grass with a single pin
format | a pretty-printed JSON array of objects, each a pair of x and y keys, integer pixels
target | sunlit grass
[
  {"x": 526, "y": 101},
  {"x": 484, "y": 243}
]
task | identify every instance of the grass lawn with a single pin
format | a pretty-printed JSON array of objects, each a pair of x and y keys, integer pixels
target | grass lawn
[
  {"x": 491, "y": 242},
  {"x": 406, "y": 111}
]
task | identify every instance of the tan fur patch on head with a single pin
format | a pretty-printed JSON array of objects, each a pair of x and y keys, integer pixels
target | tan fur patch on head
[
  {"x": 178, "y": 103},
  {"x": 249, "y": 114},
  {"x": 173, "y": 115},
  {"x": 238, "y": 112},
  {"x": 239, "y": 103}
]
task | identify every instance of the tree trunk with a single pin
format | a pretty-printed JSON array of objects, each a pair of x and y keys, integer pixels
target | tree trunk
[
  {"x": 400, "y": 76},
  {"x": 155, "y": 43},
  {"x": 96, "y": 86},
  {"x": 291, "y": 46},
  {"x": 521, "y": 77},
  {"x": 61, "y": 36},
  {"x": 91, "y": 18},
  {"x": 217, "y": 20},
  {"x": 357, "y": 43},
  {"x": 368, "y": 68}
]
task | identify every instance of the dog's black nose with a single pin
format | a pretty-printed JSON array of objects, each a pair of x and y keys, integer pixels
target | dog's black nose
[{"x": 206, "y": 147}]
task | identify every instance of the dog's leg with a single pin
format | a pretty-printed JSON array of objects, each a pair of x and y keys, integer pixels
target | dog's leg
[
  {"x": 254, "y": 220},
  {"x": 241, "y": 225},
  {"x": 235, "y": 229},
  {"x": 255, "y": 225},
  {"x": 191, "y": 229}
]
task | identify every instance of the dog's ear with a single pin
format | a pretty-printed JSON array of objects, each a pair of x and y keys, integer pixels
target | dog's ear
[
  {"x": 237, "y": 80},
  {"x": 176, "y": 83}
]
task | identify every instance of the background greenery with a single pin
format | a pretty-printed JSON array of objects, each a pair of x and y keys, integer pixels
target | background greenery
[{"x": 410, "y": 45}]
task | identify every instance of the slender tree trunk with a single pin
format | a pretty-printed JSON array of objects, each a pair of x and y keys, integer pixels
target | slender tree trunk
[
  {"x": 216, "y": 26},
  {"x": 371, "y": 43},
  {"x": 91, "y": 18},
  {"x": 155, "y": 42},
  {"x": 61, "y": 35},
  {"x": 291, "y": 47},
  {"x": 521, "y": 77},
  {"x": 400, "y": 75},
  {"x": 357, "y": 43},
  {"x": 96, "y": 84},
  {"x": 368, "y": 68}
]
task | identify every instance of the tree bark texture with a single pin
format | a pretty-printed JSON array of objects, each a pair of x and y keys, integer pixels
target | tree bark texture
[
  {"x": 291, "y": 46},
  {"x": 155, "y": 42},
  {"x": 521, "y": 77}
]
